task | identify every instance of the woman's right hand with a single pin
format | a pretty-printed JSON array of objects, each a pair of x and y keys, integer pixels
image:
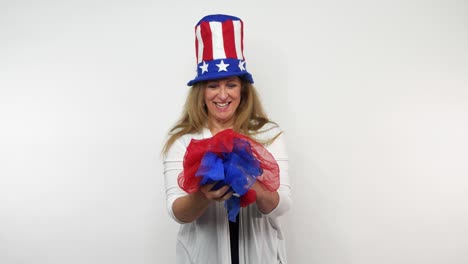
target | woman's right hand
[
  {"x": 189, "y": 207},
  {"x": 219, "y": 195}
]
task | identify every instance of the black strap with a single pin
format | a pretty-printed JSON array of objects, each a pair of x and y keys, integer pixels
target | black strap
[{"x": 234, "y": 240}]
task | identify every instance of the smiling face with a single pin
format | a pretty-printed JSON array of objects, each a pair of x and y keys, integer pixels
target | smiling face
[{"x": 222, "y": 97}]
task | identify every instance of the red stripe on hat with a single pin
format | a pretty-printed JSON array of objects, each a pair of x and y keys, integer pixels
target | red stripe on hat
[
  {"x": 205, "y": 32},
  {"x": 242, "y": 38},
  {"x": 229, "y": 39},
  {"x": 196, "y": 44}
]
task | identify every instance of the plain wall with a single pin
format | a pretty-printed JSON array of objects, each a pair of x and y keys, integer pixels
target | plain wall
[{"x": 372, "y": 95}]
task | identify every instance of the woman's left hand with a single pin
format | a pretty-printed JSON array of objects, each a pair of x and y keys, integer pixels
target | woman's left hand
[{"x": 266, "y": 200}]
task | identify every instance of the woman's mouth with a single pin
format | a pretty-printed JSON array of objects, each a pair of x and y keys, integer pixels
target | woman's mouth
[{"x": 222, "y": 105}]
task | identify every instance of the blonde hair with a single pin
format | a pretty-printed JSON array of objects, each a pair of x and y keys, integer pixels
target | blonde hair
[{"x": 250, "y": 116}]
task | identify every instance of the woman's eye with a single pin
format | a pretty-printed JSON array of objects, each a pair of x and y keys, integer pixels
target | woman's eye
[
  {"x": 212, "y": 86},
  {"x": 231, "y": 85}
]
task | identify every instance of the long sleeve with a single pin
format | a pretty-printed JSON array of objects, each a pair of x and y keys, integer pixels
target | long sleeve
[
  {"x": 279, "y": 152},
  {"x": 173, "y": 166}
]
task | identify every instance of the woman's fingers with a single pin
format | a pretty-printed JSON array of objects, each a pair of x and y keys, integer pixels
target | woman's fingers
[
  {"x": 220, "y": 194},
  {"x": 206, "y": 188},
  {"x": 226, "y": 196}
]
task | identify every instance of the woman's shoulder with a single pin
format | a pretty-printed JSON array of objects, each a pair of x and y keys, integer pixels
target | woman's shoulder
[{"x": 186, "y": 138}]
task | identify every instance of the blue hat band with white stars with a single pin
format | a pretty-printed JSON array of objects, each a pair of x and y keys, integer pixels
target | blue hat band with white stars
[{"x": 221, "y": 68}]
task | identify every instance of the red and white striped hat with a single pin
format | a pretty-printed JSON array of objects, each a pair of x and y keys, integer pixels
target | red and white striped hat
[{"x": 219, "y": 45}]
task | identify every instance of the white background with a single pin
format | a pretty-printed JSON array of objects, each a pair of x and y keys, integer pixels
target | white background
[{"x": 373, "y": 96}]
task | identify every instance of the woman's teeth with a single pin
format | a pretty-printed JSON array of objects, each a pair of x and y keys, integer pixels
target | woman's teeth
[{"x": 222, "y": 105}]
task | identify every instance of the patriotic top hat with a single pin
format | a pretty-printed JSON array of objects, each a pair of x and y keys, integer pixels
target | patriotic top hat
[{"x": 220, "y": 48}]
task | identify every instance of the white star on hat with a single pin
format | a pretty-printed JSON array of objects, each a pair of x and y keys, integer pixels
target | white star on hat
[
  {"x": 241, "y": 65},
  {"x": 222, "y": 66},
  {"x": 204, "y": 67}
]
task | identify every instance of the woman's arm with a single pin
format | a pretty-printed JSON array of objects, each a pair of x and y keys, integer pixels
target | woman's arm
[{"x": 277, "y": 203}]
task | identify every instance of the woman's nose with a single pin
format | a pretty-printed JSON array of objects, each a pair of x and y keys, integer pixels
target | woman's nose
[{"x": 223, "y": 93}]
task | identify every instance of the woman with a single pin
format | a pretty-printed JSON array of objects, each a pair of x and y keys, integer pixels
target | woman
[{"x": 222, "y": 97}]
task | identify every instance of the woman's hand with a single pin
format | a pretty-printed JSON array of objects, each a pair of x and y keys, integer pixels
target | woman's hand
[
  {"x": 266, "y": 200},
  {"x": 190, "y": 207},
  {"x": 219, "y": 195}
]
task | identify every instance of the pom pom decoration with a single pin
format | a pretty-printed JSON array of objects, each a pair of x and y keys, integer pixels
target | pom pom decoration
[{"x": 229, "y": 158}]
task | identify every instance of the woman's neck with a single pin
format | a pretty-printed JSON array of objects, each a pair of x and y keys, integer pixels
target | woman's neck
[{"x": 216, "y": 127}]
